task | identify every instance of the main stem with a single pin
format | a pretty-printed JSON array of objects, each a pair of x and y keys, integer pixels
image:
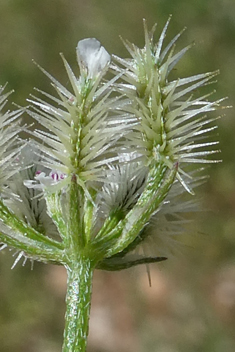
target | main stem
[{"x": 78, "y": 302}]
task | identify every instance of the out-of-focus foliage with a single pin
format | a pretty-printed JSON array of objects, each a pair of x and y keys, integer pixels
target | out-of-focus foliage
[{"x": 191, "y": 305}]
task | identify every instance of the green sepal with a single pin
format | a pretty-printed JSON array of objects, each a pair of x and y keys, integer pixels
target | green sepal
[
  {"x": 88, "y": 214},
  {"x": 54, "y": 210},
  {"x": 115, "y": 264}
]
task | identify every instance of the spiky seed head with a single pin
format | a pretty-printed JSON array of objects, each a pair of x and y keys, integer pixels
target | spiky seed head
[{"x": 172, "y": 124}]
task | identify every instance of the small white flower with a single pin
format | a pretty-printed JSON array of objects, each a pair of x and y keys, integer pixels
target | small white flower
[
  {"x": 92, "y": 56},
  {"x": 44, "y": 182}
]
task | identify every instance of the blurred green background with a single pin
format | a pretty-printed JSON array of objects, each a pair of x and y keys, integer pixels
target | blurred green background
[{"x": 191, "y": 304}]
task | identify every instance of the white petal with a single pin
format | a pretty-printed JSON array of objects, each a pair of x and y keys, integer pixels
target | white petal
[{"x": 92, "y": 56}]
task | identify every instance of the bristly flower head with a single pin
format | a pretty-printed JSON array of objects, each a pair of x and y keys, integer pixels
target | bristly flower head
[
  {"x": 84, "y": 125},
  {"x": 172, "y": 124},
  {"x": 9, "y": 141}
]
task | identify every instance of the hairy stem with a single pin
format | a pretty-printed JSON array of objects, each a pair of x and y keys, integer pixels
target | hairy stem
[{"x": 78, "y": 301}]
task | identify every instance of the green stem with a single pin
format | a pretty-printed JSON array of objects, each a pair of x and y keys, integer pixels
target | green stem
[{"x": 78, "y": 302}]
